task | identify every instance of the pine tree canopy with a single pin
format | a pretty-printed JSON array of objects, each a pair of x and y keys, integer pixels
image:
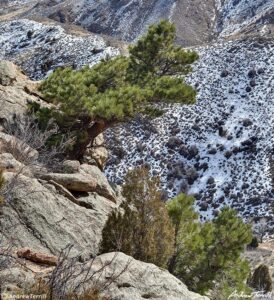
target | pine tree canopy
[
  {"x": 117, "y": 89},
  {"x": 209, "y": 253}
]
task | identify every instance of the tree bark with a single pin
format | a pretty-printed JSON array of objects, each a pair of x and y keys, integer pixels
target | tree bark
[
  {"x": 80, "y": 148},
  {"x": 172, "y": 263}
]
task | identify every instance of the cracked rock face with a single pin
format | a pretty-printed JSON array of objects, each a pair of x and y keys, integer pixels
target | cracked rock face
[
  {"x": 88, "y": 179},
  {"x": 133, "y": 279},
  {"x": 141, "y": 280},
  {"x": 42, "y": 219},
  {"x": 15, "y": 90}
]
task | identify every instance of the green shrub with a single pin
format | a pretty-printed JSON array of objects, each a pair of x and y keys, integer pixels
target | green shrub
[
  {"x": 143, "y": 228},
  {"x": 254, "y": 243},
  {"x": 210, "y": 253},
  {"x": 261, "y": 279}
]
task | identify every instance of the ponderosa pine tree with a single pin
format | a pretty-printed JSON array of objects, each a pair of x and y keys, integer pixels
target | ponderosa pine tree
[
  {"x": 188, "y": 241},
  {"x": 208, "y": 254},
  {"x": 224, "y": 242},
  {"x": 93, "y": 99},
  {"x": 144, "y": 229}
]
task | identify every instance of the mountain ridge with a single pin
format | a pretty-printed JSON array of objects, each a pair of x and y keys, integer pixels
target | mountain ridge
[{"x": 197, "y": 21}]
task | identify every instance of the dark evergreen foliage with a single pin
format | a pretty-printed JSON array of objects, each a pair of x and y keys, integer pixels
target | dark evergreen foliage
[
  {"x": 211, "y": 252},
  {"x": 254, "y": 243},
  {"x": 142, "y": 228},
  {"x": 261, "y": 279}
]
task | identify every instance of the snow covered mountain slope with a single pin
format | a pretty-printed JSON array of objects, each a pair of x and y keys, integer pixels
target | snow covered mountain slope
[
  {"x": 126, "y": 19},
  {"x": 243, "y": 16},
  {"x": 220, "y": 148},
  {"x": 40, "y": 48},
  {"x": 198, "y": 21}
]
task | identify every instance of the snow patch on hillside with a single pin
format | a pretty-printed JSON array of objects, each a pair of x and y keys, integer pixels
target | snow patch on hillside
[{"x": 40, "y": 48}]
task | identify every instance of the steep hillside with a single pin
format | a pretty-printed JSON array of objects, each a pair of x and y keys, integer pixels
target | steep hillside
[
  {"x": 218, "y": 149},
  {"x": 245, "y": 16},
  {"x": 197, "y": 21},
  {"x": 40, "y": 48},
  {"x": 126, "y": 20}
]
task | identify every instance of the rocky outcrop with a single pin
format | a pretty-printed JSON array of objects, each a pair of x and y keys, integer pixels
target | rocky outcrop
[
  {"x": 73, "y": 182},
  {"x": 103, "y": 187},
  {"x": 88, "y": 179},
  {"x": 124, "y": 278},
  {"x": 16, "y": 90},
  {"x": 8, "y": 162},
  {"x": 142, "y": 280},
  {"x": 38, "y": 216},
  {"x": 97, "y": 154}
]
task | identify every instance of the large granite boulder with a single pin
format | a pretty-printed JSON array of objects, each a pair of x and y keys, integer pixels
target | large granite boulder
[
  {"x": 41, "y": 217},
  {"x": 141, "y": 280},
  {"x": 89, "y": 178},
  {"x": 116, "y": 275}
]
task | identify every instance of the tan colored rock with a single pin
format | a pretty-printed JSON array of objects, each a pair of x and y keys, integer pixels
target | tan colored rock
[
  {"x": 73, "y": 182},
  {"x": 97, "y": 154},
  {"x": 40, "y": 218},
  {"x": 88, "y": 179},
  {"x": 71, "y": 166},
  {"x": 9, "y": 73},
  {"x": 9, "y": 163},
  {"x": 10, "y": 144},
  {"x": 16, "y": 91},
  {"x": 103, "y": 188},
  {"x": 37, "y": 257}
]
